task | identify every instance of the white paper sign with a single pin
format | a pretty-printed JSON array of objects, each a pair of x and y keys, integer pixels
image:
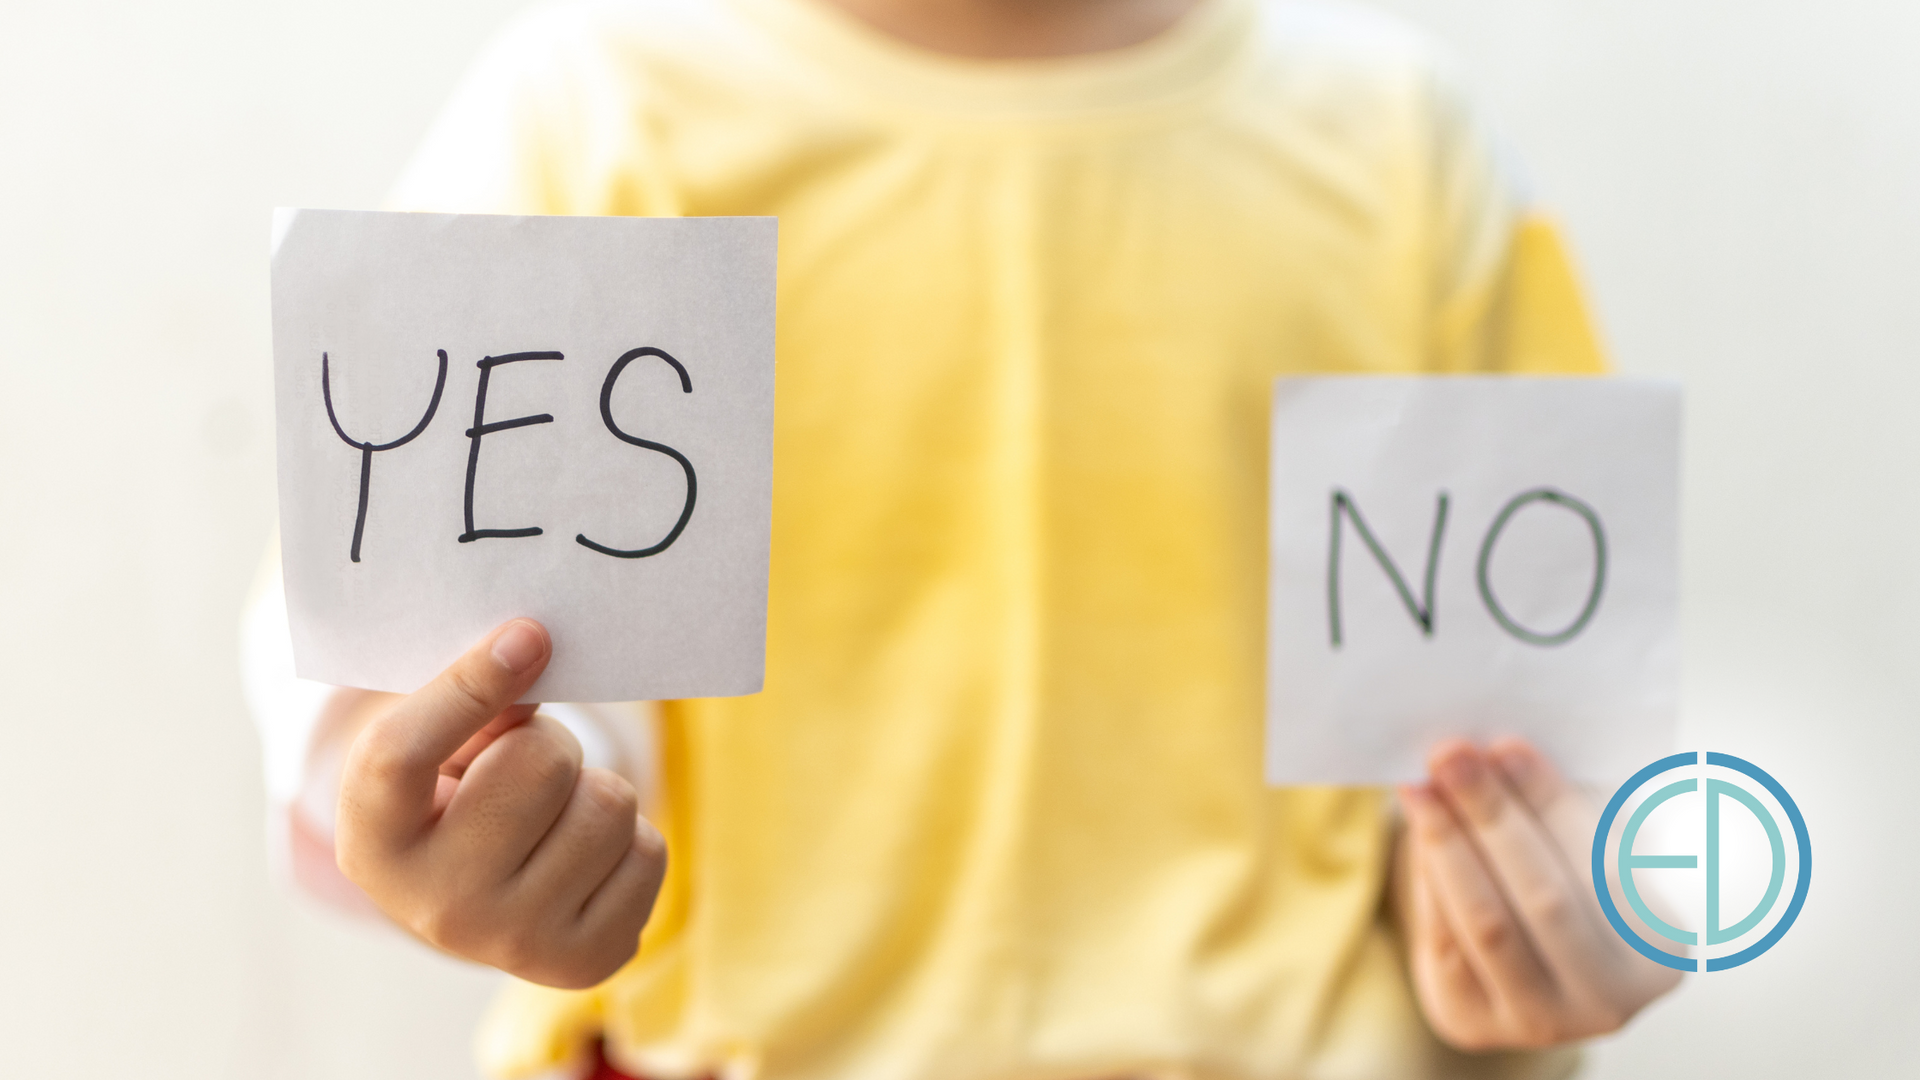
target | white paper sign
[
  {"x": 1473, "y": 556},
  {"x": 564, "y": 418}
]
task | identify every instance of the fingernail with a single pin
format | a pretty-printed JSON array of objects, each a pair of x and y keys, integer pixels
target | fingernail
[
  {"x": 520, "y": 646},
  {"x": 1517, "y": 764},
  {"x": 1422, "y": 807},
  {"x": 1462, "y": 770}
]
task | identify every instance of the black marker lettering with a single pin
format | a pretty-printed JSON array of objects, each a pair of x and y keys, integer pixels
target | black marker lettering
[
  {"x": 481, "y": 429},
  {"x": 606, "y": 414},
  {"x": 367, "y": 449},
  {"x": 1507, "y": 623},
  {"x": 1343, "y": 505}
]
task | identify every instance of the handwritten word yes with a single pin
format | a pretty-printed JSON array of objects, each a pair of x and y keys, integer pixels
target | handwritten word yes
[{"x": 482, "y": 428}]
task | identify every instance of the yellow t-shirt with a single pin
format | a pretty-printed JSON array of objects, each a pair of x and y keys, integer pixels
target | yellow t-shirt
[{"x": 999, "y": 812}]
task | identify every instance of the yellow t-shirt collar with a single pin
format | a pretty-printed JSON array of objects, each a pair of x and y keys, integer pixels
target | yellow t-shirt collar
[{"x": 1180, "y": 64}]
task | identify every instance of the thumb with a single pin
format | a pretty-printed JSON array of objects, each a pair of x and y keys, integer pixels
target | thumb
[{"x": 387, "y": 790}]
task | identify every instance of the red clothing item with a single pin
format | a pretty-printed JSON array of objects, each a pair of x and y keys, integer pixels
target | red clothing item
[{"x": 602, "y": 1070}]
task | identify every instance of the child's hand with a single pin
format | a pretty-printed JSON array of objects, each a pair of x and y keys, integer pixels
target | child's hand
[
  {"x": 1506, "y": 939},
  {"x": 469, "y": 820}
]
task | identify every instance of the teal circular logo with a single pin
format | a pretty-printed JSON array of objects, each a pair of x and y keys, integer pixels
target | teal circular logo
[{"x": 1746, "y": 788}]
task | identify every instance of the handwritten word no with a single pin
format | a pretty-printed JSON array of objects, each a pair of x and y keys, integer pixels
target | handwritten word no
[
  {"x": 1345, "y": 509},
  {"x": 482, "y": 428}
]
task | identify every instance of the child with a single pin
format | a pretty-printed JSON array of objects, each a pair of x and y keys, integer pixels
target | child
[{"x": 999, "y": 811}]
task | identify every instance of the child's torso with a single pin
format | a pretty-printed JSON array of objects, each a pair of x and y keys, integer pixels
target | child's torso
[{"x": 999, "y": 811}]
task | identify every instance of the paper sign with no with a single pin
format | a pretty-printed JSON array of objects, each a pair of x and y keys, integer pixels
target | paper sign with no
[
  {"x": 485, "y": 417},
  {"x": 1473, "y": 556}
]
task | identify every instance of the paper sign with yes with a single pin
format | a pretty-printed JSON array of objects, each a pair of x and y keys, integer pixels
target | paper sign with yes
[
  {"x": 1475, "y": 556},
  {"x": 485, "y": 417}
]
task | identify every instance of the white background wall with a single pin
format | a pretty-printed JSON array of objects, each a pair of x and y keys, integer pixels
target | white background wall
[{"x": 1740, "y": 177}]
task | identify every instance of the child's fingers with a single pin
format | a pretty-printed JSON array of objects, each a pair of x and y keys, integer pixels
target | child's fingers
[
  {"x": 589, "y": 913},
  {"x": 1524, "y": 861},
  {"x": 634, "y": 881},
  {"x": 1443, "y": 977},
  {"x": 617, "y": 911},
  {"x": 1568, "y": 815},
  {"x": 594, "y": 831},
  {"x": 508, "y": 799},
  {"x": 1495, "y": 944},
  {"x": 511, "y": 717},
  {"x": 388, "y": 787},
  {"x": 1570, "y": 818}
]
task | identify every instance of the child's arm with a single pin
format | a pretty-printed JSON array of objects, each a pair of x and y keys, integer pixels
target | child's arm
[{"x": 1506, "y": 940}]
